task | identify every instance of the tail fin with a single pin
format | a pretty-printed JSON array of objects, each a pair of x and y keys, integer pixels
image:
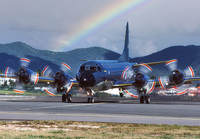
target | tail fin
[{"x": 125, "y": 55}]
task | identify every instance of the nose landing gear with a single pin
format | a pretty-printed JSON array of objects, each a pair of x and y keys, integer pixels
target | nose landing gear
[
  {"x": 90, "y": 96},
  {"x": 67, "y": 97}
]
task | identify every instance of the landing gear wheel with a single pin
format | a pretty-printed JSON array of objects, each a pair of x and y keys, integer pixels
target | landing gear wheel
[
  {"x": 141, "y": 99},
  {"x": 69, "y": 98},
  {"x": 92, "y": 100},
  {"x": 90, "y": 96},
  {"x": 147, "y": 99},
  {"x": 88, "y": 100},
  {"x": 64, "y": 97}
]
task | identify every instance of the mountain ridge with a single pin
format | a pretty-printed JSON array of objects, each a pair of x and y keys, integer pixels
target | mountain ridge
[{"x": 12, "y": 52}]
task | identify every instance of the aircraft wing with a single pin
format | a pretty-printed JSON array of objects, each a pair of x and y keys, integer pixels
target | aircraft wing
[
  {"x": 122, "y": 84},
  {"x": 192, "y": 78},
  {"x": 151, "y": 63},
  {"x": 10, "y": 76},
  {"x": 45, "y": 80},
  {"x": 50, "y": 80}
]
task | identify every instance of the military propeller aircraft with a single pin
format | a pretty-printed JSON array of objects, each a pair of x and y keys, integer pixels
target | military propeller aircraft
[{"x": 99, "y": 75}]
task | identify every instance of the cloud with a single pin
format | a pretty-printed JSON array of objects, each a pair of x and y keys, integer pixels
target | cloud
[{"x": 49, "y": 24}]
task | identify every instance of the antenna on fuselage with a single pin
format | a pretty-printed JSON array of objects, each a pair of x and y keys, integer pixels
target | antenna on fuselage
[{"x": 125, "y": 55}]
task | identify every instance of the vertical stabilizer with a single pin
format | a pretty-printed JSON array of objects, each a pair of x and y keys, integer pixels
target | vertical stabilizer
[{"x": 125, "y": 55}]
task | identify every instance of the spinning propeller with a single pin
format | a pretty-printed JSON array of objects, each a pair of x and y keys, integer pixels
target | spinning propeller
[
  {"x": 62, "y": 81},
  {"x": 177, "y": 77},
  {"x": 141, "y": 81},
  {"x": 23, "y": 76}
]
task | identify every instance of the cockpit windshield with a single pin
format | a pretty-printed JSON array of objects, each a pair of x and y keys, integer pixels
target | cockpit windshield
[{"x": 90, "y": 68}]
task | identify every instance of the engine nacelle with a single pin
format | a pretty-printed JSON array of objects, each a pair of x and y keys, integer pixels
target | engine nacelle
[
  {"x": 177, "y": 77},
  {"x": 141, "y": 80}
]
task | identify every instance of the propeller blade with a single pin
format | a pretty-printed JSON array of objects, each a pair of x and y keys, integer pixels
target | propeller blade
[
  {"x": 50, "y": 91},
  {"x": 68, "y": 86},
  {"x": 65, "y": 67},
  {"x": 150, "y": 87},
  {"x": 171, "y": 64},
  {"x": 24, "y": 62},
  {"x": 189, "y": 72},
  {"x": 47, "y": 71},
  {"x": 182, "y": 91},
  {"x": 19, "y": 89},
  {"x": 127, "y": 74},
  {"x": 9, "y": 72},
  {"x": 34, "y": 78},
  {"x": 145, "y": 68},
  {"x": 163, "y": 81},
  {"x": 129, "y": 92}
]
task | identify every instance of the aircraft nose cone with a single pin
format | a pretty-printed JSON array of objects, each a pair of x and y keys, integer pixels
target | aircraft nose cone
[{"x": 86, "y": 79}]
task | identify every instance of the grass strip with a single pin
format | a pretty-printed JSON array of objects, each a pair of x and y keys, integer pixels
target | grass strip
[{"x": 74, "y": 129}]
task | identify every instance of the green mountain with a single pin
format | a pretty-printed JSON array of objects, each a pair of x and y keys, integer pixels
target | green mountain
[{"x": 12, "y": 52}]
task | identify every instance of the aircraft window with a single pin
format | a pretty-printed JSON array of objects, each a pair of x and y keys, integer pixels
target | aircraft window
[
  {"x": 87, "y": 68},
  {"x": 82, "y": 68},
  {"x": 93, "y": 68},
  {"x": 98, "y": 68}
]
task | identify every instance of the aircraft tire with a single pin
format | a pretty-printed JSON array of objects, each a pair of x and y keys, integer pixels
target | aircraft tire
[
  {"x": 88, "y": 100},
  {"x": 92, "y": 100},
  {"x": 147, "y": 99},
  {"x": 141, "y": 99},
  {"x": 64, "y": 98},
  {"x": 69, "y": 98}
]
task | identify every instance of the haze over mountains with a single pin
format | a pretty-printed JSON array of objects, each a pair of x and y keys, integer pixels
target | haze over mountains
[{"x": 11, "y": 53}]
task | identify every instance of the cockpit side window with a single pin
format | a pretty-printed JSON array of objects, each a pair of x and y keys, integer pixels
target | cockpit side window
[
  {"x": 82, "y": 68},
  {"x": 98, "y": 68},
  {"x": 93, "y": 68},
  {"x": 87, "y": 68}
]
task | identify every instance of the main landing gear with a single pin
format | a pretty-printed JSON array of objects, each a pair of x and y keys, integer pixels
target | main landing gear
[
  {"x": 144, "y": 97},
  {"x": 67, "y": 97},
  {"x": 90, "y": 96}
]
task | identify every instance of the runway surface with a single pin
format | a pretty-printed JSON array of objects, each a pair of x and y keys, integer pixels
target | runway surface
[{"x": 104, "y": 110}]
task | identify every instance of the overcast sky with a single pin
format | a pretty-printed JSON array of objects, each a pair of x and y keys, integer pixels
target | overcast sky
[{"x": 63, "y": 25}]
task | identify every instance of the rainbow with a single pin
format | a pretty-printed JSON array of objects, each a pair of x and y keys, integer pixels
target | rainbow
[{"x": 91, "y": 24}]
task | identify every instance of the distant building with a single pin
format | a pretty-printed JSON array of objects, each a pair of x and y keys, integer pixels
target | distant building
[{"x": 3, "y": 80}]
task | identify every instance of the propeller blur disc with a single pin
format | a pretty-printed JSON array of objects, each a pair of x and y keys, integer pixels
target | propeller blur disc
[
  {"x": 9, "y": 72},
  {"x": 145, "y": 68},
  {"x": 150, "y": 87},
  {"x": 189, "y": 72},
  {"x": 50, "y": 91},
  {"x": 34, "y": 78},
  {"x": 24, "y": 62},
  {"x": 172, "y": 64},
  {"x": 65, "y": 67},
  {"x": 128, "y": 91},
  {"x": 47, "y": 71},
  {"x": 19, "y": 89},
  {"x": 163, "y": 81},
  {"x": 127, "y": 74}
]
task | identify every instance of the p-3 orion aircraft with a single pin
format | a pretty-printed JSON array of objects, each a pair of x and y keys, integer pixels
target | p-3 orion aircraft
[{"x": 99, "y": 75}]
